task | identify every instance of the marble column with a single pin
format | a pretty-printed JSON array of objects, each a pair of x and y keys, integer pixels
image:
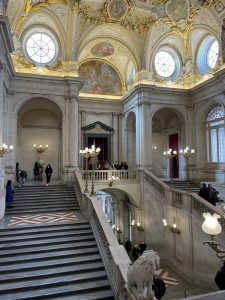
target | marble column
[
  {"x": 2, "y": 188},
  {"x": 74, "y": 129},
  {"x": 143, "y": 137}
]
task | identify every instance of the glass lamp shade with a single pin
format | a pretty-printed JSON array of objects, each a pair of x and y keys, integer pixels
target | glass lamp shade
[{"x": 211, "y": 225}]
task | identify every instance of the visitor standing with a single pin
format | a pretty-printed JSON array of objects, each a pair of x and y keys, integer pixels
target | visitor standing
[
  {"x": 9, "y": 194},
  {"x": 36, "y": 171},
  {"x": 142, "y": 247},
  {"x": 17, "y": 172},
  {"x": 48, "y": 172}
]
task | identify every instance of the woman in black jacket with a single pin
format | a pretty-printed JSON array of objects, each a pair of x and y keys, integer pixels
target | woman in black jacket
[{"x": 48, "y": 172}]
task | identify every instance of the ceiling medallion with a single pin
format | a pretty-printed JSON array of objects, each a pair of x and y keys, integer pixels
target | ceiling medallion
[{"x": 117, "y": 12}]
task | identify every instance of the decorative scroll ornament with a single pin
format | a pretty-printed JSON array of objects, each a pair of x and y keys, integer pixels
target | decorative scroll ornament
[
  {"x": 209, "y": 3},
  {"x": 57, "y": 66},
  {"x": 118, "y": 12},
  {"x": 159, "y": 2},
  {"x": 24, "y": 62}
]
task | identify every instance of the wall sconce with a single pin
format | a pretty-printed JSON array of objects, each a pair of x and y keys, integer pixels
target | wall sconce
[
  {"x": 112, "y": 180},
  {"x": 118, "y": 230},
  {"x": 172, "y": 228},
  {"x": 212, "y": 227},
  {"x": 5, "y": 149},
  {"x": 137, "y": 225},
  {"x": 154, "y": 147},
  {"x": 39, "y": 148}
]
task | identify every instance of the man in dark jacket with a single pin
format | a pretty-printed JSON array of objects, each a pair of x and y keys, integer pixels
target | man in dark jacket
[{"x": 220, "y": 278}]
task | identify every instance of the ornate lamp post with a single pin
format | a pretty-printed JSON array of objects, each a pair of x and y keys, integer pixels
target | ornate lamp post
[
  {"x": 93, "y": 154},
  {"x": 187, "y": 153},
  {"x": 86, "y": 154},
  {"x": 170, "y": 154}
]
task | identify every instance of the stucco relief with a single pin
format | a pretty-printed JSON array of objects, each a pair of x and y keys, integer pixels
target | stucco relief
[
  {"x": 40, "y": 18},
  {"x": 12, "y": 10},
  {"x": 177, "y": 9},
  {"x": 99, "y": 78},
  {"x": 62, "y": 12},
  {"x": 204, "y": 17}
]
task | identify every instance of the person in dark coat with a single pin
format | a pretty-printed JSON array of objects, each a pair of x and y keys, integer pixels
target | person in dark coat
[
  {"x": 204, "y": 192},
  {"x": 220, "y": 278},
  {"x": 17, "y": 172},
  {"x": 48, "y": 172},
  {"x": 142, "y": 247},
  {"x": 158, "y": 287},
  {"x": 128, "y": 245},
  {"x": 9, "y": 194},
  {"x": 36, "y": 171},
  {"x": 135, "y": 252}
]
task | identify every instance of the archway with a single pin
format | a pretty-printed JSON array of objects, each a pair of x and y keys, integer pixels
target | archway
[
  {"x": 131, "y": 139},
  {"x": 168, "y": 131},
  {"x": 39, "y": 122}
]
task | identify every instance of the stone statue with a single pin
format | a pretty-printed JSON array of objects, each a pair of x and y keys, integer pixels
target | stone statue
[
  {"x": 141, "y": 274},
  {"x": 223, "y": 40},
  {"x": 188, "y": 67}
]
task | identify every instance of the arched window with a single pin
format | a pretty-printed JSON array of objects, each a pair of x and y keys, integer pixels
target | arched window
[
  {"x": 167, "y": 64},
  {"x": 215, "y": 126},
  {"x": 208, "y": 54},
  {"x": 40, "y": 46}
]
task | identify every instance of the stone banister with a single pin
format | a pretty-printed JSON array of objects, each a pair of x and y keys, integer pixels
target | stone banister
[
  {"x": 114, "y": 255},
  {"x": 128, "y": 176}
]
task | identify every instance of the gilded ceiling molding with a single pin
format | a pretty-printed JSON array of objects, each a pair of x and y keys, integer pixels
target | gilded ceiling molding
[
  {"x": 24, "y": 62},
  {"x": 209, "y": 3},
  {"x": 57, "y": 66},
  {"x": 183, "y": 31},
  {"x": 117, "y": 15}
]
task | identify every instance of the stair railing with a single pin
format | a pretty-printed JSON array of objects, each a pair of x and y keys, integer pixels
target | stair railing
[{"x": 114, "y": 256}]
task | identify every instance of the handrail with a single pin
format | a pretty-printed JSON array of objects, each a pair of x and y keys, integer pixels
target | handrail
[
  {"x": 114, "y": 255},
  {"x": 104, "y": 175}
]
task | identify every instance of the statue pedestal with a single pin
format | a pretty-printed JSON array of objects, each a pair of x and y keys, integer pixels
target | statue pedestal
[{"x": 134, "y": 294}]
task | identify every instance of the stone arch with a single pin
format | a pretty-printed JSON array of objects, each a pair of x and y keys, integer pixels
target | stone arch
[
  {"x": 123, "y": 210},
  {"x": 168, "y": 124},
  {"x": 39, "y": 122},
  {"x": 131, "y": 139}
]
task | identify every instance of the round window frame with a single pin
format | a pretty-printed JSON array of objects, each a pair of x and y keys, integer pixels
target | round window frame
[
  {"x": 202, "y": 55},
  {"x": 177, "y": 62},
  {"x": 47, "y": 32}
]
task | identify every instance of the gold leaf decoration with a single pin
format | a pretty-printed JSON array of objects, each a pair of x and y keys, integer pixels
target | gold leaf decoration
[
  {"x": 55, "y": 67},
  {"x": 24, "y": 62}
]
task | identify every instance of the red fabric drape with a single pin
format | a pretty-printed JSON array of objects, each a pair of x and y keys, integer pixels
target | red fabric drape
[{"x": 174, "y": 164}]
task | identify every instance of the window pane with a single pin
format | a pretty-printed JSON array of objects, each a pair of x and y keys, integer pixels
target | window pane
[
  {"x": 41, "y": 48},
  {"x": 164, "y": 64},
  {"x": 221, "y": 145},
  {"x": 212, "y": 54},
  {"x": 214, "y": 154}
]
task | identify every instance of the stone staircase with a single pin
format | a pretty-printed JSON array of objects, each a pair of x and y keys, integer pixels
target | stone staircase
[
  {"x": 183, "y": 186},
  {"x": 57, "y": 260}
]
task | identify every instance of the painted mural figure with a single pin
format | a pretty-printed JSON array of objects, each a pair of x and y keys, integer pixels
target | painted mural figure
[
  {"x": 223, "y": 40},
  {"x": 117, "y": 9}
]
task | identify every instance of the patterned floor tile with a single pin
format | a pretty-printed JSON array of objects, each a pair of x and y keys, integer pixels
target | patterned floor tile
[{"x": 42, "y": 218}]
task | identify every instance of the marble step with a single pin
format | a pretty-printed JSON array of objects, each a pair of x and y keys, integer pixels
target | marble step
[
  {"x": 62, "y": 279},
  {"x": 48, "y": 273},
  {"x": 44, "y": 236},
  {"x": 39, "y": 194},
  {"x": 96, "y": 295},
  {"x": 46, "y": 264},
  {"x": 42, "y": 226},
  {"x": 46, "y": 242},
  {"x": 11, "y": 211},
  {"x": 38, "y": 230},
  {"x": 48, "y": 256},
  {"x": 40, "y": 249},
  {"x": 72, "y": 287},
  {"x": 21, "y": 199},
  {"x": 44, "y": 204}
]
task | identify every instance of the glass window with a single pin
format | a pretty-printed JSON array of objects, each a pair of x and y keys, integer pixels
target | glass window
[
  {"x": 164, "y": 64},
  {"x": 41, "y": 48},
  {"x": 216, "y": 134},
  {"x": 212, "y": 55},
  {"x": 208, "y": 54}
]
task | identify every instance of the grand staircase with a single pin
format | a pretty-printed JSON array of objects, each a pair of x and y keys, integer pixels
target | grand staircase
[
  {"x": 183, "y": 186},
  {"x": 44, "y": 260}
]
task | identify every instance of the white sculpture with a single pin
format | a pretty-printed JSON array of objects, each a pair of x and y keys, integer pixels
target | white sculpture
[{"x": 141, "y": 273}]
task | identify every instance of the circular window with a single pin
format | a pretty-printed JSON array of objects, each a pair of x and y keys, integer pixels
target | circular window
[
  {"x": 207, "y": 55},
  {"x": 164, "y": 64},
  {"x": 41, "y": 48},
  {"x": 212, "y": 54}
]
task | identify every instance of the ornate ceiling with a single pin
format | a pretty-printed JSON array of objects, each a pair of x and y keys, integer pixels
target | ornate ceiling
[{"x": 133, "y": 30}]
